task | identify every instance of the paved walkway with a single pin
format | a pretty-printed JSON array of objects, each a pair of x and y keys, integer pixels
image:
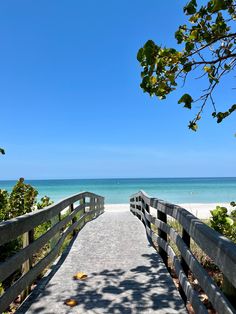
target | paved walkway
[{"x": 125, "y": 274}]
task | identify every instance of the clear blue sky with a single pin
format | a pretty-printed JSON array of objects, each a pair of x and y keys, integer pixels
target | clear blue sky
[{"x": 71, "y": 105}]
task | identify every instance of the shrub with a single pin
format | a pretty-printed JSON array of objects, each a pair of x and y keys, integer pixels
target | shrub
[{"x": 224, "y": 222}]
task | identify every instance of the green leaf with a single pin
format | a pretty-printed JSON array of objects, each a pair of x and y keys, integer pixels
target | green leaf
[
  {"x": 229, "y": 221},
  {"x": 187, "y": 100},
  {"x": 222, "y": 115},
  {"x": 2, "y": 151},
  {"x": 191, "y": 7},
  {"x": 189, "y": 46},
  {"x": 179, "y": 36},
  {"x": 193, "y": 126},
  {"x": 140, "y": 55},
  {"x": 187, "y": 67},
  {"x": 218, "y": 5}
]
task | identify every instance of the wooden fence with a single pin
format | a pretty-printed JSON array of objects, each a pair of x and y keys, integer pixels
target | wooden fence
[
  {"x": 221, "y": 250},
  {"x": 75, "y": 210}
]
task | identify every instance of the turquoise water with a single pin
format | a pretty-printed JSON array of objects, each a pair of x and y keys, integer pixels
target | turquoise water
[{"x": 177, "y": 190}]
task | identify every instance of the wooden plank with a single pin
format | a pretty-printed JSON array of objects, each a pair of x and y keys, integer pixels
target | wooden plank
[
  {"x": 8, "y": 267},
  {"x": 53, "y": 241},
  {"x": 214, "y": 294},
  {"x": 162, "y": 234},
  {"x": 219, "y": 301},
  {"x": 191, "y": 294},
  {"x": 29, "y": 277},
  {"x": 220, "y": 249},
  {"x": 74, "y": 219},
  {"x": 26, "y": 265},
  {"x": 11, "y": 229},
  {"x": 186, "y": 240}
]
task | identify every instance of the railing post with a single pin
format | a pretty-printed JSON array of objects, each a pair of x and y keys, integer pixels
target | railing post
[
  {"x": 186, "y": 239},
  {"x": 162, "y": 217},
  {"x": 73, "y": 219},
  {"x": 100, "y": 205},
  {"x": 142, "y": 210},
  {"x": 134, "y": 207},
  {"x": 229, "y": 290},
  {"x": 136, "y": 201},
  {"x": 82, "y": 202},
  {"x": 92, "y": 207},
  {"x": 147, "y": 222},
  {"x": 54, "y": 240},
  {"x": 27, "y": 238}
]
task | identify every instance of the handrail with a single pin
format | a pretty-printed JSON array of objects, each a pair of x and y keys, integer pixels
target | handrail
[
  {"x": 220, "y": 249},
  {"x": 75, "y": 217}
]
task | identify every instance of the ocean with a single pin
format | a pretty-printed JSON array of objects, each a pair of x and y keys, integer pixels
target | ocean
[{"x": 118, "y": 191}]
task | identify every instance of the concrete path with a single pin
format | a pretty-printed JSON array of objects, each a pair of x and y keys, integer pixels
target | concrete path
[{"x": 125, "y": 274}]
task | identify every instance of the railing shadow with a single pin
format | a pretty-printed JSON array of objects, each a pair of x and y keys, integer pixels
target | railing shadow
[
  {"x": 142, "y": 289},
  {"x": 40, "y": 288}
]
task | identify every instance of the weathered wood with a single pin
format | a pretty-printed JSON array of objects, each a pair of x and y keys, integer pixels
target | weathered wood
[
  {"x": 195, "y": 229},
  {"x": 186, "y": 239},
  {"x": 215, "y": 295},
  {"x": 11, "y": 229},
  {"x": 27, "y": 264},
  {"x": 24, "y": 255},
  {"x": 220, "y": 249},
  {"x": 73, "y": 219},
  {"x": 12, "y": 264},
  {"x": 229, "y": 290},
  {"x": 30, "y": 276},
  {"x": 53, "y": 241},
  {"x": 192, "y": 295},
  {"x": 82, "y": 203},
  {"x": 162, "y": 216}
]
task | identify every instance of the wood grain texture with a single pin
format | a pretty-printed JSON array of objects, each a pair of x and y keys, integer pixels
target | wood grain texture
[
  {"x": 11, "y": 229},
  {"x": 22, "y": 225},
  {"x": 202, "y": 235}
]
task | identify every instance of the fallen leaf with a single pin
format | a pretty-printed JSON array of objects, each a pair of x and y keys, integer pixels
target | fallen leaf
[
  {"x": 80, "y": 276},
  {"x": 71, "y": 302}
]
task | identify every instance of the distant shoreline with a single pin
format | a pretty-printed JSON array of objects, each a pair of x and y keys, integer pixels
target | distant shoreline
[
  {"x": 121, "y": 178},
  {"x": 118, "y": 191},
  {"x": 200, "y": 210}
]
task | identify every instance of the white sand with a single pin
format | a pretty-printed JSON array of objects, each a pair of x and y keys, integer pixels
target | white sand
[{"x": 201, "y": 211}]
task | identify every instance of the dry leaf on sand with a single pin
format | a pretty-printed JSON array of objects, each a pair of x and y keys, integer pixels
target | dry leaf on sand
[
  {"x": 80, "y": 276},
  {"x": 71, "y": 302}
]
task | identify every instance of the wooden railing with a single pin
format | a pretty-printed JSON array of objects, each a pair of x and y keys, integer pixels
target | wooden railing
[
  {"x": 74, "y": 218},
  {"x": 221, "y": 250}
]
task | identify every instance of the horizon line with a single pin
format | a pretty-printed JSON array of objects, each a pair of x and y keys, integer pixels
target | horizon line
[{"x": 124, "y": 178}]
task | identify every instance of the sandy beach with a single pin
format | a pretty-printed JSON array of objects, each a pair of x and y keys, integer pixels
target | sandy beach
[{"x": 201, "y": 211}]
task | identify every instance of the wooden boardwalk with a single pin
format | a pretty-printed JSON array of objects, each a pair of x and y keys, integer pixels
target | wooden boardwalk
[{"x": 125, "y": 273}]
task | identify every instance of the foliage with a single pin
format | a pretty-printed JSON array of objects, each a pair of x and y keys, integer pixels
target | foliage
[
  {"x": 208, "y": 44},
  {"x": 22, "y": 199},
  {"x": 44, "y": 202},
  {"x": 224, "y": 222},
  {"x": 2, "y": 151},
  {"x": 41, "y": 229},
  {"x": 4, "y": 205}
]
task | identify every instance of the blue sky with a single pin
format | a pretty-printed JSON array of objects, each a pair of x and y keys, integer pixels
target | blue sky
[{"x": 71, "y": 105}]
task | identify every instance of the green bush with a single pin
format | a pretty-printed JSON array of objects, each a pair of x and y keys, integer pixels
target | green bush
[
  {"x": 4, "y": 205},
  {"x": 224, "y": 222},
  {"x": 39, "y": 230},
  {"x": 22, "y": 199}
]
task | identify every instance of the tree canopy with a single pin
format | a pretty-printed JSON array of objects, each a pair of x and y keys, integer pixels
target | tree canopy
[
  {"x": 2, "y": 151},
  {"x": 208, "y": 44}
]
